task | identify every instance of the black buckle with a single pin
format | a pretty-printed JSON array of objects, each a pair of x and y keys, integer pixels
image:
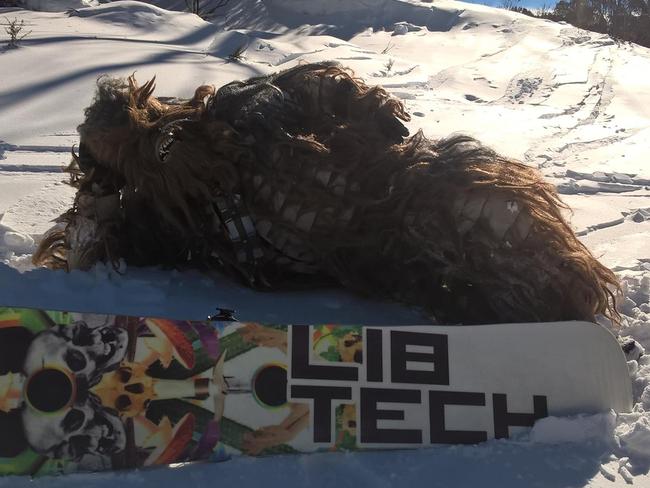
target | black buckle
[{"x": 223, "y": 315}]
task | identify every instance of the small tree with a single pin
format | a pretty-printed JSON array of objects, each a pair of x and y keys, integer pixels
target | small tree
[
  {"x": 563, "y": 11},
  {"x": 509, "y": 4},
  {"x": 543, "y": 12},
  {"x": 203, "y": 9},
  {"x": 15, "y": 31},
  {"x": 238, "y": 54}
]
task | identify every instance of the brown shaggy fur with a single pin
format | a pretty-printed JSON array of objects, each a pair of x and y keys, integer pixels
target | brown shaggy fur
[{"x": 322, "y": 164}]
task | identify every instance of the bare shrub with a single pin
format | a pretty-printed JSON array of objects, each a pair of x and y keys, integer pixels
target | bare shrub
[
  {"x": 204, "y": 9},
  {"x": 238, "y": 53},
  {"x": 15, "y": 30}
]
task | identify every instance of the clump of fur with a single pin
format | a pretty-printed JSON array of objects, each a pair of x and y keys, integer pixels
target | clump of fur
[{"x": 337, "y": 191}]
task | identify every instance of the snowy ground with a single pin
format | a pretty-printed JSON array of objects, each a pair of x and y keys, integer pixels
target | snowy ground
[{"x": 573, "y": 103}]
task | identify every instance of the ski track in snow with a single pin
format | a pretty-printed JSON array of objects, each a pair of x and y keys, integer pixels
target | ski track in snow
[{"x": 565, "y": 100}]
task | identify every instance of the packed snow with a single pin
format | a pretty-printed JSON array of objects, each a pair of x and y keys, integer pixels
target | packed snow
[{"x": 573, "y": 103}]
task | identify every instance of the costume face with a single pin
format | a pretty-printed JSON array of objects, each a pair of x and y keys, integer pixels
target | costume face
[
  {"x": 137, "y": 136},
  {"x": 63, "y": 420},
  {"x": 165, "y": 160},
  {"x": 77, "y": 349},
  {"x": 350, "y": 346},
  {"x": 81, "y": 431},
  {"x": 144, "y": 143},
  {"x": 128, "y": 390}
]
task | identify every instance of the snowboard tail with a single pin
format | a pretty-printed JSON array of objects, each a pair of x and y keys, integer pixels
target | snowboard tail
[{"x": 87, "y": 392}]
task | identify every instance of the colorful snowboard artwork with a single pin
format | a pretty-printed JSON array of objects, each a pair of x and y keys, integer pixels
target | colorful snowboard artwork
[{"x": 87, "y": 392}]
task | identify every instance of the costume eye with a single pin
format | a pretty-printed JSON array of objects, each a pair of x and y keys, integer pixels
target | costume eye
[
  {"x": 73, "y": 421},
  {"x": 122, "y": 403},
  {"x": 105, "y": 445},
  {"x": 125, "y": 373},
  {"x": 108, "y": 334},
  {"x": 82, "y": 335},
  {"x": 358, "y": 357},
  {"x": 75, "y": 360}
]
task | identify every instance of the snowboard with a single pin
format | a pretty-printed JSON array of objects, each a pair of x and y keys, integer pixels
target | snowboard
[{"x": 88, "y": 392}]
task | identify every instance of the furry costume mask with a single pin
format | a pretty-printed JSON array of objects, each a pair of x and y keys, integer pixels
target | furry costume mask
[{"x": 307, "y": 176}]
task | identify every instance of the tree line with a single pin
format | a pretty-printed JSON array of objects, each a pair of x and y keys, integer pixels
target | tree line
[{"x": 627, "y": 20}]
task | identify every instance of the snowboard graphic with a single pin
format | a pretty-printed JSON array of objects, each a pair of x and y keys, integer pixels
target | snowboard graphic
[{"x": 86, "y": 392}]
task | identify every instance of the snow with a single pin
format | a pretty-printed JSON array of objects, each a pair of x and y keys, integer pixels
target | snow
[
  {"x": 573, "y": 103},
  {"x": 57, "y": 6},
  {"x": 579, "y": 429}
]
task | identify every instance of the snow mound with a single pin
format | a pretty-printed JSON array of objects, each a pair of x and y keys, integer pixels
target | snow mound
[
  {"x": 130, "y": 12},
  {"x": 225, "y": 44},
  {"x": 57, "y": 5},
  {"x": 253, "y": 47},
  {"x": 635, "y": 437},
  {"x": 377, "y": 13},
  {"x": 345, "y": 18},
  {"x": 576, "y": 429},
  {"x": 271, "y": 49},
  {"x": 12, "y": 242}
]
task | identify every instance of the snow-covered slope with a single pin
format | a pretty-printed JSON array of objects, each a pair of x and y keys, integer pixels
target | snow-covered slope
[
  {"x": 56, "y": 6},
  {"x": 573, "y": 103}
]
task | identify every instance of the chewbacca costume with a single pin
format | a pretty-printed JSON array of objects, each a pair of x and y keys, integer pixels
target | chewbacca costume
[{"x": 307, "y": 177}]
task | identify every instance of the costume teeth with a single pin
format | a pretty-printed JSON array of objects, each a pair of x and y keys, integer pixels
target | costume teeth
[{"x": 163, "y": 152}]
